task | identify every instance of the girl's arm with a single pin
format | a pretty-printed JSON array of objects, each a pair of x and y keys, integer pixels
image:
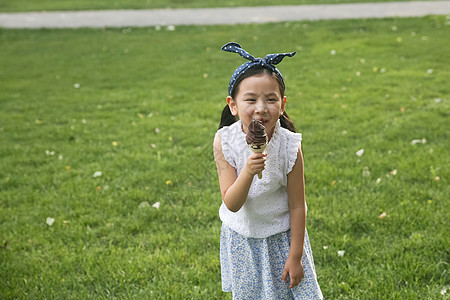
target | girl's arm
[
  {"x": 297, "y": 209},
  {"x": 234, "y": 189}
]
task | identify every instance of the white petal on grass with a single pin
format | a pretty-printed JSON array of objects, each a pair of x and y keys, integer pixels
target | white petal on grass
[
  {"x": 341, "y": 253},
  {"x": 49, "y": 153},
  {"x": 49, "y": 221},
  {"x": 378, "y": 180},
  {"x": 418, "y": 141},
  {"x": 360, "y": 152},
  {"x": 366, "y": 172},
  {"x": 97, "y": 174},
  {"x": 333, "y": 52},
  {"x": 444, "y": 290},
  {"x": 144, "y": 204},
  {"x": 76, "y": 85},
  {"x": 156, "y": 205},
  {"x": 171, "y": 27},
  {"x": 325, "y": 247}
]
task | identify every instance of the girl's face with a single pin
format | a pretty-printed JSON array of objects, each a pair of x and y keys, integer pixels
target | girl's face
[{"x": 258, "y": 97}]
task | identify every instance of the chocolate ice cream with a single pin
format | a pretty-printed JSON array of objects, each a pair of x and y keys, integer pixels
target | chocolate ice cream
[{"x": 256, "y": 136}]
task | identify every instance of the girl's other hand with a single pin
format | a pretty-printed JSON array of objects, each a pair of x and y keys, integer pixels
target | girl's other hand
[
  {"x": 294, "y": 268},
  {"x": 255, "y": 163}
]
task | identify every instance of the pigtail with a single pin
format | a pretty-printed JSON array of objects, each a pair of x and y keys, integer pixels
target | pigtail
[
  {"x": 227, "y": 117},
  {"x": 286, "y": 122}
]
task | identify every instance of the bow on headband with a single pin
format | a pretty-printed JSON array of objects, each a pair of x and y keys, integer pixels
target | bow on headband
[{"x": 269, "y": 61}]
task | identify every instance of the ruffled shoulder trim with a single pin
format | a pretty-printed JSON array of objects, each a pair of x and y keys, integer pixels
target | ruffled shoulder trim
[
  {"x": 228, "y": 137},
  {"x": 275, "y": 139},
  {"x": 294, "y": 140}
]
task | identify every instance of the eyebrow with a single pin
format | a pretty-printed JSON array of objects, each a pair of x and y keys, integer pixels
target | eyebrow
[
  {"x": 249, "y": 94},
  {"x": 272, "y": 94}
]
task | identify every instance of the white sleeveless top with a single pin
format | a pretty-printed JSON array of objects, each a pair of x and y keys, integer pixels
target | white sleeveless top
[{"x": 266, "y": 210}]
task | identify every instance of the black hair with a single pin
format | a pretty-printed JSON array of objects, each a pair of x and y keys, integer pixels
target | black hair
[{"x": 227, "y": 117}]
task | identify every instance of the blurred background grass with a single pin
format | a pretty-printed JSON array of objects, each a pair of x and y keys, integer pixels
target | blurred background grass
[{"x": 141, "y": 105}]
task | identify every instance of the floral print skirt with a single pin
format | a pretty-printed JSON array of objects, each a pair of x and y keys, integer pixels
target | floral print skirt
[{"x": 252, "y": 268}]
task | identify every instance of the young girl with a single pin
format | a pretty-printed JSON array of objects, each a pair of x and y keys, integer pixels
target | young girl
[{"x": 264, "y": 247}]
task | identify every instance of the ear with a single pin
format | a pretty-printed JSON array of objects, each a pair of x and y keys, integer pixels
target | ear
[
  {"x": 283, "y": 105},
  {"x": 232, "y": 105}
]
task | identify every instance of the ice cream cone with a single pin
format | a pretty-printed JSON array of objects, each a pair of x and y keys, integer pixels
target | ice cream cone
[
  {"x": 258, "y": 149},
  {"x": 256, "y": 138}
]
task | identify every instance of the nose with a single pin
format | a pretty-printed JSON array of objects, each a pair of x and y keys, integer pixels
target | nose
[{"x": 261, "y": 107}]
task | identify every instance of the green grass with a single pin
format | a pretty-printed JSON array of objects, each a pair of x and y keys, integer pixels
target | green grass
[
  {"x": 142, "y": 106},
  {"x": 51, "y": 5}
]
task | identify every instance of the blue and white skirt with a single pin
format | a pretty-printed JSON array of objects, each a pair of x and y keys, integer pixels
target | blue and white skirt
[{"x": 252, "y": 268}]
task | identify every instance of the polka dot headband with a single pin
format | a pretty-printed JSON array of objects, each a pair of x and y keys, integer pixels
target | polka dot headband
[{"x": 269, "y": 62}]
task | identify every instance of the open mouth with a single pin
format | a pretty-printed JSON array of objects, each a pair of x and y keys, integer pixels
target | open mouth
[{"x": 263, "y": 122}]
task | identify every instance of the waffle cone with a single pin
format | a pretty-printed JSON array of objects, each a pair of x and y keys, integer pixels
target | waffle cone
[{"x": 258, "y": 149}]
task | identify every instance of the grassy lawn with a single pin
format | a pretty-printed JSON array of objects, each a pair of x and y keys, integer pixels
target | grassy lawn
[
  {"x": 51, "y": 5},
  {"x": 141, "y": 106}
]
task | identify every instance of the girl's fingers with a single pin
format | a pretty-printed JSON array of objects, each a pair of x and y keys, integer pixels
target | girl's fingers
[
  {"x": 293, "y": 282},
  {"x": 284, "y": 277},
  {"x": 258, "y": 155},
  {"x": 260, "y": 167},
  {"x": 257, "y": 162}
]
